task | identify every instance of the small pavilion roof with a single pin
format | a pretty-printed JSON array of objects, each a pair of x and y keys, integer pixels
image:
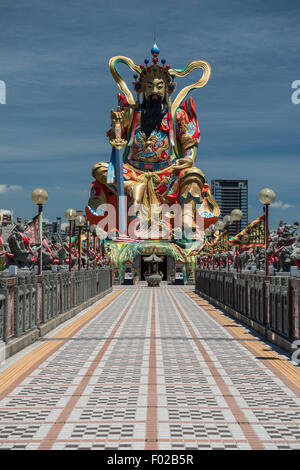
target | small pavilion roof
[{"x": 153, "y": 258}]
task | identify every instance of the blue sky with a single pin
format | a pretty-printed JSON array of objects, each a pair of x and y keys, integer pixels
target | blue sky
[{"x": 54, "y": 60}]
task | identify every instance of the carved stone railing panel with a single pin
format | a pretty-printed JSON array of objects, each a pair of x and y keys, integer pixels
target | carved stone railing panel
[
  {"x": 3, "y": 309},
  {"x": 28, "y": 300},
  {"x": 272, "y": 301}
]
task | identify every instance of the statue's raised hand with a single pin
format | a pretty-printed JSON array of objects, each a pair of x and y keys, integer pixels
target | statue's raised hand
[
  {"x": 117, "y": 116},
  {"x": 116, "y": 136}
]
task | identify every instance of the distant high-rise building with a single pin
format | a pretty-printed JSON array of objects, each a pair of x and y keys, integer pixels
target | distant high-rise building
[
  {"x": 58, "y": 226},
  {"x": 52, "y": 228},
  {"x": 6, "y": 217},
  {"x": 232, "y": 194}
]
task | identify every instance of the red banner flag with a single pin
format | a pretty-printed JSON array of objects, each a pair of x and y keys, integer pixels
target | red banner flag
[{"x": 34, "y": 231}]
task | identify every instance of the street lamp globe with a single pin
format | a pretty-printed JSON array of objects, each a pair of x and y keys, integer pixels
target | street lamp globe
[
  {"x": 267, "y": 196},
  {"x": 227, "y": 220},
  {"x": 101, "y": 233},
  {"x": 93, "y": 229},
  {"x": 236, "y": 215},
  {"x": 70, "y": 214},
  {"x": 219, "y": 225},
  {"x": 80, "y": 221},
  {"x": 39, "y": 196}
]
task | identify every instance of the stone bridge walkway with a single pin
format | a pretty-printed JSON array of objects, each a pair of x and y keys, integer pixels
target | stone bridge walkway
[{"x": 150, "y": 368}]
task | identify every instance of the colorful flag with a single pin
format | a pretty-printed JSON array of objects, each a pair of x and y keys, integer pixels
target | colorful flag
[
  {"x": 34, "y": 230},
  {"x": 253, "y": 235},
  {"x": 220, "y": 244}
]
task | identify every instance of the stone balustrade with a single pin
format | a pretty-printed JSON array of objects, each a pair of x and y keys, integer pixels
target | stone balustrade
[
  {"x": 270, "y": 305},
  {"x": 32, "y": 305}
]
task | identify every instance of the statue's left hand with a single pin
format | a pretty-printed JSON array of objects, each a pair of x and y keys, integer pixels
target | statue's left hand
[{"x": 183, "y": 163}]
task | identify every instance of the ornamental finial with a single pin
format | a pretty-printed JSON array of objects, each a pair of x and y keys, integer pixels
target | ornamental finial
[{"x": 155, "y": 49}]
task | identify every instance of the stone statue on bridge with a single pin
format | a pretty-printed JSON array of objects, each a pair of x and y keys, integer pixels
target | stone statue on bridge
[
  {"x": 284, "y": 248},
  {"x": 24, "y": 255}
]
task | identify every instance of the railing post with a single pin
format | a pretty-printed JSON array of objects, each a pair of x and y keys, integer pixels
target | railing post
[
  {"x": 58, "y": 291},
  {"x": 33, "y": 302},
  {"x": 19, "y": 306},
  {"x": 273, "y": 306},
  {"x": 266, "y": 293},
  {"x": 45, "y": 298},
  {"x": 295, "y": 287},
  {"x": 73, "y": 289},
  {"x": 3, "y": 311},
  {"x": 40, "y": 306},
  {"x": 234, "y": 293},
  {"x": 248, "y": 300},
  {"x": 285, "y": 307}
]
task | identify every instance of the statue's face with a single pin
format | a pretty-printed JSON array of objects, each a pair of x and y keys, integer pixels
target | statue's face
[{"x": 155, "y": 86}]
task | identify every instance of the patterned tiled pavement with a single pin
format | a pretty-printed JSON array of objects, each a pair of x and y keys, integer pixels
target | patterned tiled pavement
[{"x": 150, "y": 368}]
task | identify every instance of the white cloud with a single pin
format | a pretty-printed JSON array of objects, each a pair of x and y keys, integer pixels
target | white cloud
[
  {"x": 4, "y": 188},
  {"x": 281, "y": 205}
]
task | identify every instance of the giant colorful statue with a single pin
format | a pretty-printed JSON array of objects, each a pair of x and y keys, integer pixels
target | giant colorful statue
[{"x": 161, "y": 140}]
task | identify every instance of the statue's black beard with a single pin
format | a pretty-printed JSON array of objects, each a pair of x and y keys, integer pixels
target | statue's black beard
[{"x": 152, "y": 113}]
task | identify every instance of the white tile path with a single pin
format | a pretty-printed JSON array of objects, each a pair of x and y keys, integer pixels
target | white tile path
[{"x": 210, "y": 392}]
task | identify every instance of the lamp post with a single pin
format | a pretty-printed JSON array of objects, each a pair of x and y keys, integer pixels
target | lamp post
[
  {"x": 212, "y": 229},
  {"x": 93, "y": 232},
  {"x": 79, "y": 222},
  {"x": 219, "y": 225},
  {"x": 236, "y": 215},
  {"x": 208, "y": 233},
  {"x": 227, "y": 220},
  {"x": 267, "y": 197},
  {"x": 39, "y": 197},
  {"x": 88, "y": 245},
  {"x": 205, "y": 235},
  {"x": 70, "y": 215}
]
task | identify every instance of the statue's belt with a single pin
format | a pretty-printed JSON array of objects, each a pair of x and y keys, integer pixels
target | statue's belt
[{"x": 144, "y": 166}]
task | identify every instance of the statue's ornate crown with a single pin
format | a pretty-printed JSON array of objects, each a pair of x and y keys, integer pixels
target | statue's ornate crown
[{"x": 154, "y": 71}]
